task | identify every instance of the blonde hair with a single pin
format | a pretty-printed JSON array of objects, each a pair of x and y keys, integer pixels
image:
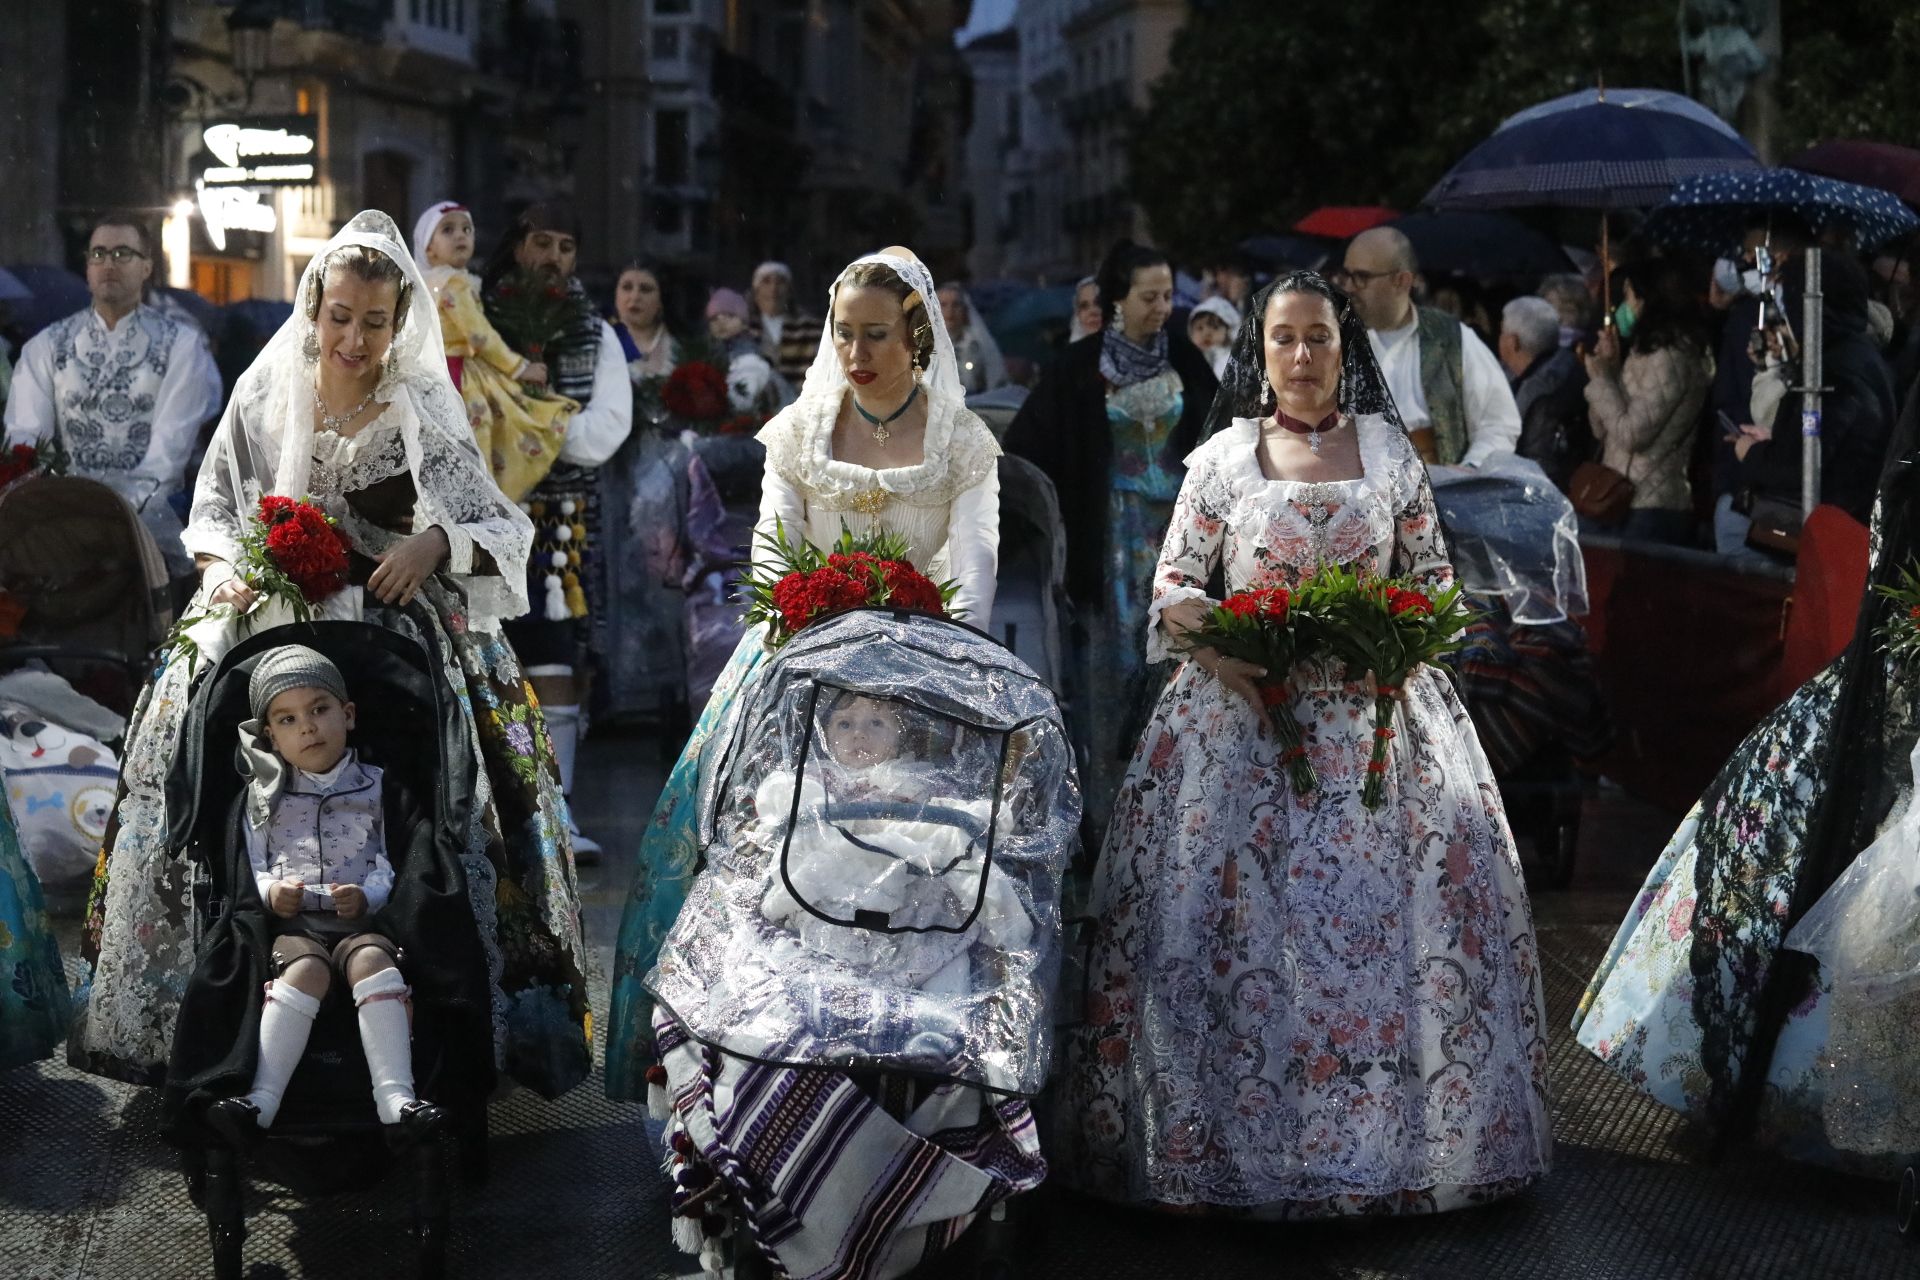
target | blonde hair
[{"x": 878, "y": 275}]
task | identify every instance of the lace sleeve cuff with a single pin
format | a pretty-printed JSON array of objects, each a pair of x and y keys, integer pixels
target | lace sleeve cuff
[
  {"x": 1159, "y": 646},
  {"x": 459, "y": 550}
]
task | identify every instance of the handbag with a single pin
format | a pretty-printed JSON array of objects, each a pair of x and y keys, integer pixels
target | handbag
[
  {"x": 1776, "y": 525},
  {"x": 1600, "y": 493}
]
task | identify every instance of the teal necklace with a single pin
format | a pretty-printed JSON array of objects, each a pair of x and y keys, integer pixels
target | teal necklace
[{"x": 880, "y": 433}]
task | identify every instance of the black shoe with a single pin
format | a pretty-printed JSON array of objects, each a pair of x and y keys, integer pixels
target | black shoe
[
  {"x": 237, "y": 1121},
  {"x": 418, "y": 1122}
]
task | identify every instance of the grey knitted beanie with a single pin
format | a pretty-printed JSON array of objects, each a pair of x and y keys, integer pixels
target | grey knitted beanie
[{"x": 292, "y": 666}]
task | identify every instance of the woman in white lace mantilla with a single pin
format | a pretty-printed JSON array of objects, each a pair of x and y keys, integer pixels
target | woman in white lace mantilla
[
  {"x": 879, "y": 439},
  {"x": 350, "y": 405},
  {"x": 1297, "y": 1006}
]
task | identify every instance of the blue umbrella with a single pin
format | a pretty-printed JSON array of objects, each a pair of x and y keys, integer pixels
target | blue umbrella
[
  {"x": 11, "y": 290},
  {"x": 1711, "y": 213},
  {"x": 1482, "y": 245},
  {"x": 1597, "y": 149},
  {"x": 57, "y": 293}
]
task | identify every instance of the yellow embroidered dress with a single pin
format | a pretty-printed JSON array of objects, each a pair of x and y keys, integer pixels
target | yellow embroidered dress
[{"x": 519, "y": 429}]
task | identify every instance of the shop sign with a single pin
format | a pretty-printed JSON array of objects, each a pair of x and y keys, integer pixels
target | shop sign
[
  {"x": 225, "y": 210},
  {"x": 260, "y": 151}
]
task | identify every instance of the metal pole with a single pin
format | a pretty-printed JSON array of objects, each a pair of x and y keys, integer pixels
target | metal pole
[{"x": 1812, "y": 376}]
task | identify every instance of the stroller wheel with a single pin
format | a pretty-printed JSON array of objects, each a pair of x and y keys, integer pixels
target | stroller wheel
[{"x": 1908, "y": 1207}]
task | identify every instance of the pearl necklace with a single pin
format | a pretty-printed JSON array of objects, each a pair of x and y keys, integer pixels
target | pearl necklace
[{"x": 333, "y": 422}]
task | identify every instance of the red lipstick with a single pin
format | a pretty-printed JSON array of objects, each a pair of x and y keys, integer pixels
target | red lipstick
[{"x": 862, "y": 376}]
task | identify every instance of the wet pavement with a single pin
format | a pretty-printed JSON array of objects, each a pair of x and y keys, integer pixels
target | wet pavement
[{"x": 87, "y": 1189}]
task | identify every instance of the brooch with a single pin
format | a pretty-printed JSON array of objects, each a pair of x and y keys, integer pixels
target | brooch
[{"x": 871, "y": 502}]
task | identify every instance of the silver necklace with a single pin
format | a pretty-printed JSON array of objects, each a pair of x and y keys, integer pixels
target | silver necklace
[{"x": 333, "y": 422}]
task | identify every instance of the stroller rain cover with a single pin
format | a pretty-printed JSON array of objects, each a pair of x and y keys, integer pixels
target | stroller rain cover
[{"x": 885, "y": 831}]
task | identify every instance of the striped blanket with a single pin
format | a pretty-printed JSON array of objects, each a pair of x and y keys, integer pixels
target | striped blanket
[{"x": 829, "y": 1183}]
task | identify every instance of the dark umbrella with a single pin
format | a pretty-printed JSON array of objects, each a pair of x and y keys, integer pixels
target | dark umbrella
[
  {"x": 1596, "y": 149},
  {"x": 57, "y": 293},
  {"x": 204, "y": 314},
  {"x": 1035, "y": 324},
  {"x": 1481, "y": 245},
  {"x": 1712, "y": 213},
  {"x": 1871, "y": 164},
  {"x": 1344, "y": 221},
  {"x": 1288, "y": 250}
]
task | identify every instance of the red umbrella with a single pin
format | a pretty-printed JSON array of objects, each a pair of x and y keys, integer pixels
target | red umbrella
[
  {"x": 1871, "y": 164},
  {"x": 1344, "y": 221}
]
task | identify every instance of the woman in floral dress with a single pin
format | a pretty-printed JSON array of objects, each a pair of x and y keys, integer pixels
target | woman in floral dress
[
  {"x": 351, "y": 405},
  {"x": 1300, "y": 1007},
  {"x": 1109, "y": 424},
  {"x": 1697, "y": 1003}
]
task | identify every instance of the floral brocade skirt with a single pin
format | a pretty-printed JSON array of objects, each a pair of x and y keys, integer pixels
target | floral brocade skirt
[
  {"x": 663, "y": 874},
  {"x": 140, "y": 936},
  {"x": 33, "y": 987},
  {"x": 1299, "y": 1007},
  {"x": 1672, "y": 1007}
]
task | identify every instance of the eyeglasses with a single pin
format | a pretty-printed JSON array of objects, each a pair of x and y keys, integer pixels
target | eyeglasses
[
  {"x": 119, "y": 255},
  {"x": 1361, "y": 279}
]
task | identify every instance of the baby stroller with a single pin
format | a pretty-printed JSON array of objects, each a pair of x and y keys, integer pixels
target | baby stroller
[
  {"x": 327, "y": 1135},
  {"x": 1525, "y": 672},
  {"x": 1030, "y": 608},
  {"x": 83, "y": 587},
  {"x": 855, "y": 1003}
]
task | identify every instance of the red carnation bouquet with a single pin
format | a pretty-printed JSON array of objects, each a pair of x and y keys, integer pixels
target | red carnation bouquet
[
  {"x": 1388, "y": 627},
  {"x": 292, "y": 553},
  {"x": 1263, "y": 627},
  {"x": 805, "y": 584}
]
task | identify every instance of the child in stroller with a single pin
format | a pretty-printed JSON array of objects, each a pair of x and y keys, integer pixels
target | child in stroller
[
  {"x": 315, "y": 811},
  {"x": 855, "y": 1004},
  {"x": 336, "y": 1085}
]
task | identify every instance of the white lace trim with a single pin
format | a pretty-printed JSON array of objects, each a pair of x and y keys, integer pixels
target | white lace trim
[{"x": 959, "y": 453}]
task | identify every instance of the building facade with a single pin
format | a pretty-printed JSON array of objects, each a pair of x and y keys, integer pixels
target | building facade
[
  {"x": 993, "y": 62},
  {"x": 1085, "y": 68}
]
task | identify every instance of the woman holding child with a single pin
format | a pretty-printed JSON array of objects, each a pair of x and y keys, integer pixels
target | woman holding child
[{"x": 350, "y": 406}]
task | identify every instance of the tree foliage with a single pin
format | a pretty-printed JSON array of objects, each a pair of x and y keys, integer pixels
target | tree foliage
[
  {"x": 1849, "y": 71},
  {"x": 1264, "y": 115}
]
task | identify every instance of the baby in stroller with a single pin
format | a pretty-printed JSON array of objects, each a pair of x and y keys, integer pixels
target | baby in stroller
[
  {"x": 855, "y": 1005},
  {"x": 315, "y": 836},
  {"x": 881, "y": 837}
]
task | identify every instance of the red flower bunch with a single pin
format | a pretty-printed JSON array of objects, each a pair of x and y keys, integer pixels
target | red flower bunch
[
  {"x": 1401, "y": 601},
  {"x": 305, "y": 546},
  {"x": 1259, "y": 627},
  {"x": 20, "y": 460},
  {"x": 696, "y": 392},
  {"x": 1272, "y": 604},
  {"x": 800, "y": 597},
  {"x": 805, "y": 584}
]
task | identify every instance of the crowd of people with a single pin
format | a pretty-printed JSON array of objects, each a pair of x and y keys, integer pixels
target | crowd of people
[{"x": 1298, "y": 1004}]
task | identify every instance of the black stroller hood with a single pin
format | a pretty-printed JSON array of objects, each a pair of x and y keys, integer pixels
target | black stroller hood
[{"x": 408, "y": 724}]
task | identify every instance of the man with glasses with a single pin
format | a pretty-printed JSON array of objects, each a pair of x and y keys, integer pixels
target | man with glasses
[
  {"x": 122, "y": 386},
  {"x": 1449, "y": 388}
]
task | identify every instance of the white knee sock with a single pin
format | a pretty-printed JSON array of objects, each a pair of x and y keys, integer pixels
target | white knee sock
[
  {"x": 285, "y": 1024},
  {"x": 387, "y": 1041}
]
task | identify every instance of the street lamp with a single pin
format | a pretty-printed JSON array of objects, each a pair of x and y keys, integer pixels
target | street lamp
[{"x": 250, "y": 33}]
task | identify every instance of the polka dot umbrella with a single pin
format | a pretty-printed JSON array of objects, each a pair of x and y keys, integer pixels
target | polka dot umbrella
[{"x": 1711, "y": 212}]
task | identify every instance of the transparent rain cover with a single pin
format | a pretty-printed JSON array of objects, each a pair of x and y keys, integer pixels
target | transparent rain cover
[{"x": 885, "y": 831}]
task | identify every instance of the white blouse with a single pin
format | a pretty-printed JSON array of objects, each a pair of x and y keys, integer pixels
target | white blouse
[{"x": 946, "y": 507}]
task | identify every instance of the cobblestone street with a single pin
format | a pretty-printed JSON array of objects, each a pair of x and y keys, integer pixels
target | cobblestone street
[{"x": 87, "y": 1189}]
